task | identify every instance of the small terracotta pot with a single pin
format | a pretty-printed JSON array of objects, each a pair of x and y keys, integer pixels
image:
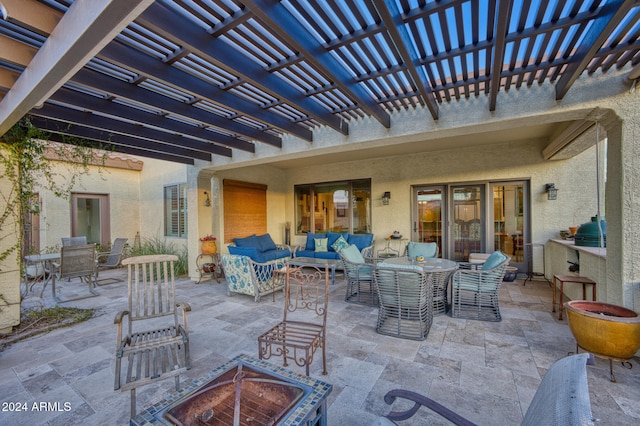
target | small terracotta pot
[{"x": 209, "y": 247}]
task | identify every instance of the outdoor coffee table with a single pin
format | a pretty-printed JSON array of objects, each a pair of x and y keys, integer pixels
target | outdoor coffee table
[
  {"x": 319, "y": 263},
  {"x": 440, "y": 269}
]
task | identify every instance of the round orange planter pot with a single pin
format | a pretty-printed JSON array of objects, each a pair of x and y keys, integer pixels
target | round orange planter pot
[
  {"x": 209, "y": 247},
  {"x": 606, "y": 330}
]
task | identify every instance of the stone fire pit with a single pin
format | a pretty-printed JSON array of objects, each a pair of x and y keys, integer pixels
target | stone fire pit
[{"x": 243, "y": 391}]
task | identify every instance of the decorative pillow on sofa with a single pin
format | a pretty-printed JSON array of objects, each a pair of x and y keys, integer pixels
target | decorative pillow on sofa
[
  {"x": 333, "y": 237},
  {"x": 250, "y": 241},
  {"x": 360, "y": 240},
  {"x": 339, "y": 244},
  {"x": 265, "y": 243},
  {"x": 321, "y": 244},
  {"x": 311, "y": 243}
]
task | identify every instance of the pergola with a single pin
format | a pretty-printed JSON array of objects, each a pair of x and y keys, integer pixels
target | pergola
[{"x": 181, "y": 80}]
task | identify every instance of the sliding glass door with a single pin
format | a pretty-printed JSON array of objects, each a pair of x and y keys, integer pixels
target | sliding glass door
[{"x": 473, "y": 218}]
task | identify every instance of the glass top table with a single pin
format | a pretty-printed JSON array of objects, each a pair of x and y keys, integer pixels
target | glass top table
[
  {"x": 428, "y": 264},
  {"x": 440, "y": 269}
]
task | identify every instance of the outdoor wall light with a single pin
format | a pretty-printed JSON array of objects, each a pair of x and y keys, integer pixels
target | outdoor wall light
[
  {"x": 552, "y": 191},
  {"x": 385, "y": 198},
  {"x": 207, "y": 202}
]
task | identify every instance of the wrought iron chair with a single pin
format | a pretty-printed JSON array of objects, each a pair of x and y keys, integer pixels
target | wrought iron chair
[
  {"x": 303, "y": 328},
  {"x": 474, "y": 292},
  {"x": 245, "y": 276},
  {"x": 75, "y": 262},
  {"x": 562, "y": 399},
  {"x": 112, "y": 258},
  {"x": 405, "y": 296},
  {"x": 152, "y": 351}
]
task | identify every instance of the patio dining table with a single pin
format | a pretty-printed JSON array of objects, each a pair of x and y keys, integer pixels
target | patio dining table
[
  {"x": 440, "y": 269},
  {"x": 44, "y": 261}
]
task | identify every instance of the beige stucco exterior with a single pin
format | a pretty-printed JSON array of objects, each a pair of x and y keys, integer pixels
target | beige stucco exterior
[
  {"x": 469, "y": 143},
  {"x": 9, "y": 267}
]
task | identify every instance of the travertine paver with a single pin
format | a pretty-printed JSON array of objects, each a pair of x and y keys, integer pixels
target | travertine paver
[{"x": 487, "y": 372}]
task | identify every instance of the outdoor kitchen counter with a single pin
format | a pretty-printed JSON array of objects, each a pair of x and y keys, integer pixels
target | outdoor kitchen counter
[
  {"x": 570, "y": 244},
  {"x": 560, "y": 254}
]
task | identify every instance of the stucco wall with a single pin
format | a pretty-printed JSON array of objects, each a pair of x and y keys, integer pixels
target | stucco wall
[
  {"x": 120, "y": 184},
  {"x": 9, "y": 267},
  {"x": 522, "y": 160}
]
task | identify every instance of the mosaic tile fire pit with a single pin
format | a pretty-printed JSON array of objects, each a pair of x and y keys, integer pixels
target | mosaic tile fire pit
[{"x": 243, "y": 391}]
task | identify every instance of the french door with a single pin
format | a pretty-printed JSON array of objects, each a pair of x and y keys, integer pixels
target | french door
[{"x": 473, "y": 218}]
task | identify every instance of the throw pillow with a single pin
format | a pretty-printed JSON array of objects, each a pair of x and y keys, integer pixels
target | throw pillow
[
  {"x": 339, "y": 244},
  {"x": 250, "y": 241},
  {"x": 360, "y": 240},
  {"x": 265, "y": 243},
  {"x": 352, "y": 254},
  {"x": 311, "y": 245},
  {"x": 494, "y": 260},
  {"x": 333, "y": 237},
  {"x": 321, "y": 244}
]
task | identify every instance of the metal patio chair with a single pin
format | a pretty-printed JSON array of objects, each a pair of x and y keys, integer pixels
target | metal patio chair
[
  {"x": 303, "y": 328},
  {"x": 153, "y": 350},
  {"x": 75, "y": 262},
  {"x": 112, "y": 258},
  {"x": 74, "y": 241}
]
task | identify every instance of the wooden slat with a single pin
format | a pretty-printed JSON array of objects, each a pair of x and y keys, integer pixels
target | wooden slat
[{"x": 245, "y": 209}]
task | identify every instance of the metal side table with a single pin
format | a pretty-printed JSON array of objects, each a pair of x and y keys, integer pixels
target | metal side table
[{"x": 530, "y": 247}]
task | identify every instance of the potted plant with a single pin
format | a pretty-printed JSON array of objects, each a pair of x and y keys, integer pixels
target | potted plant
[{"x": 208, "y": 244}]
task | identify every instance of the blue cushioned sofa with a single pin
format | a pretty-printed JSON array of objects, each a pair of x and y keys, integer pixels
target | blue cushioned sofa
[
  {"x": 362, "y": 241},
  {"x": 260, "y": 248}
]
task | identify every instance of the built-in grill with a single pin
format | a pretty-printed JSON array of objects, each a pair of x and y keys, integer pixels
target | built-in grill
[
  {"x": 244, "y": 391},
  {"x": 588, "y": 234}
]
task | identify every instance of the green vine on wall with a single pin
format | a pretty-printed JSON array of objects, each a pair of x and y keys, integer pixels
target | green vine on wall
[{"x": 26, "y": 169}]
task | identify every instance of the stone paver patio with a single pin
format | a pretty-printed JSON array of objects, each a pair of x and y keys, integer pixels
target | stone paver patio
[{"x": 487, "y": 372}]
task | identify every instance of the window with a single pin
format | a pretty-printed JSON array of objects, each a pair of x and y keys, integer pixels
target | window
[
  {"x": 175, "y": 210},
  {"x": 335, "y": 206}
]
